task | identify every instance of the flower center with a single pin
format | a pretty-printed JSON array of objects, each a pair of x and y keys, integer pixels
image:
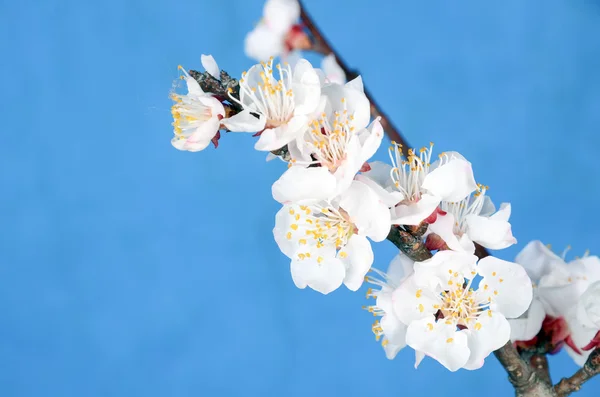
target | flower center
[
  {"x": 273, "y": 98},
  {"x": 322, "y": 225},
  {"x": 470, "y": 205},
  {"x": 460, "y": 304},
  {"x": 188, "y": 114},
  {"x": 329, "y": 141},
  {"x": 408, "y": 173}
]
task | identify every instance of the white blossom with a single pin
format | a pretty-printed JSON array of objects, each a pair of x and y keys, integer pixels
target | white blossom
[
  {"x": 567, "y": 292},
  {"x": 339, "y": 142},
  {"x": 198, "y": 116},
  {"x": 473, "y": 220},
  {"x": 284, "y": 105},
  {"x": 422, "y": 186},
  {"x": 327, "y": 241},
  {"x": 451, "y": 320},
  {"x": 277, "y": 33}
]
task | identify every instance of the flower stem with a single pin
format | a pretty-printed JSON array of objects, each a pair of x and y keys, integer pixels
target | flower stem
[{"x": 590, "y": 369}]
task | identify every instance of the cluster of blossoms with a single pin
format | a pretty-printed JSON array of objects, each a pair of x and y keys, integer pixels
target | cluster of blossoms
[
  {"x": 565, "y": 310},
  {"x": 436, "y": 297}
]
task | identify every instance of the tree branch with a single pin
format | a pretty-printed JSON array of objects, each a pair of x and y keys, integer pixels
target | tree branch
[{"x": 590, "y": 369}]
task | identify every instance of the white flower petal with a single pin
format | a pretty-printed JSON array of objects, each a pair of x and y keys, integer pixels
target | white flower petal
[
  {"x": 244, "y": 122},
  {"x": 412, "y": 303},
  {"x": 333, "y": 72},
  {"x": 452, "y": 181},
  {"x": 380, "y": 172},
  {"x": 262, "y": 43},
  {"x": 288, "y": 243},
  {"x": 200, "y": 138},
  {"x": 439, "y": 341},
  {"x": 281, "y": 15},
  {"x": 400, "y": 268},
  {"x": 390, "y": 199},
  {"x": 508, "y": 286},
  {"x": 442, "y": 267},
  {"x": 444, "y": 227},
  {"x": 349, "y": 167},
  {"x": 323, "y": 277},
  {"x": 356, "y": 84},
  {"x": 537, "y": 259},
  {"x": 210, "y": 65},
  {"x": 276, "y": 138},
  {"x": 415, "y": 213},
  {"x": 300, "y": 184},
  {"x": 371, "y": 138},
  {"x": 419, "y": 356},
  {"x": 193, "y": 86},
  {"x": 306, "y": 88},
  {"x": 529, "y": 324},
  {"x": 492, "y": 233},
  {"x": 491, "y": 332},
  {"x": 367, "y": 212},
  {"x": 357, "y": 256},
  {"x": 395, "y": 333},
  {"x": 588, "y": 312}
]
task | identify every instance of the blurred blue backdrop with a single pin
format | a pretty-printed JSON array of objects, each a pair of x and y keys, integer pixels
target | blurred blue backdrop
[{"x": 128, "y": 268}]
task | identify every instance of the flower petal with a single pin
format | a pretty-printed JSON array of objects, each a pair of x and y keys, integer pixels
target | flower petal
[
  {"x": 439, "y": 341},
  {"x": 537, "y": 259},
  {"x": 244, "y": 122},
  {"x": 333, "y": 72},
  {"x": 389, "y": 199},
  {"x": 199, "y": 139},
  {"x": 508, "y": 286},
  {"x": 285, "y": 236},
  {"x": 281, "y": 15},
  {"x": 529, "y": 324},
  {"x": 444, "y": 267},
  {"x": 395, "y": 333},
  {"x": 193, "y": 86},
  {"x": 210, "y": 65},
  {"x": 349, "y": 167},
  {"x": 276, "y": 138},
  {"x": 367, "y": 212},
  {"x": 491, "y": 332},
  {"x": 444, "y": 227},
  {"x": 357, "y": 256},
  {"x": 262, "y": 43},
  {"x": 323, "y": 277},
  {"x": 452, "y": 181},
  {"x": 356, "y": 84},
  {"x": 415, "y": 213},
  {"x": 299, "y": 184},
  {"x": 419, "y": 356},
  {"x": 306, "y": 87},
  {"x": 370, "y": 139},
  {"x": 588, "y": 307},
  {"x": 492, "y": 233},
  {"x": 412, "y": 303},
  {"x": 380, "y": 172}
]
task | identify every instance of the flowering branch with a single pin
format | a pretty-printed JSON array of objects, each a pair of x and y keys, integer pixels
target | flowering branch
[
  {"x": 590, "y": 369},
  {"x": 443, "y": 294}
]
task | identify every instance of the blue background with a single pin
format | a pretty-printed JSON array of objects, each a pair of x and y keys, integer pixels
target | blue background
[{"x": 128, "y": 268}]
